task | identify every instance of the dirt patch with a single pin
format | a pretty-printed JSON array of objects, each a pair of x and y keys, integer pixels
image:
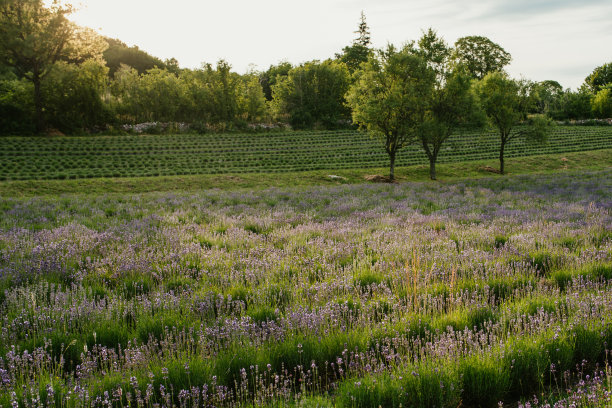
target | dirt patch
[
  {"x": 233, "y": 179},
  {"x": 53, "y": 132},
  {"x": 377, "y": 178},
  {"x": 489, "y": 169}
]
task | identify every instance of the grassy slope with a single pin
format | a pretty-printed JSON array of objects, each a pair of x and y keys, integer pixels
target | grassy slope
[{"x": 592, "y": 160}]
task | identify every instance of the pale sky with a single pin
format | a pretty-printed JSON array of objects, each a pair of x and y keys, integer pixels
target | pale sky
[{"x": 563, "y": 40}]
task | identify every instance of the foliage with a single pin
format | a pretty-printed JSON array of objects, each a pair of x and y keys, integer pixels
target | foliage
[
  {"x": 602, "y": 103},
  {"x": 390, "y": 98},
  {"x": 353, "y": 56},
  {"x": 34, "y": 37},
  {"x": 480, "y": 55},
  {"x": 251, "y": 99},
  {"x": 160, "y": 95},
  {"x": 546, "y": 96},
  {"x": 573, "y": 105},
  {"x": 600, "y": 77},
  {"x": 118, "y": 53},
  {"x": 74, "y": 96},
  {"x": 270, "y": 77},
  {"x": 358, "y": 52},
  {"x": 312, "y": 95},
  {"x": 223, "y": 88},
  {"x": 214, "y": 96},
  {"x": 453, "y": 103},
  {"x": 507, "y": 102},
  {"x": 363, "y": 32},
  {"x": 16, "y": 106},
  {"x": 60, "y": 60}
]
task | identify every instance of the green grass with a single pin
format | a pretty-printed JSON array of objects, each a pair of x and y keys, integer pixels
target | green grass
[{"x": 448, "y": 172}]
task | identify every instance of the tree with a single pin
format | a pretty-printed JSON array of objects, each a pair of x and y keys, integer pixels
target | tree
[
  {"x": 546, "y": 95},
  {"x": 452, "y": 102},
  {"x": 364, "y": 32},
  {"x": 573, "y": 105},
  {"x": 73, "y": 96},
  {"x": 506, "y": 103},
  {"x": 223, "y": 88},
  {"x": 251, "y": 99},
  {"x": 34, "y": 37},
  {"x": 480, "y": 55},
  {"x": 602, "y": 103},
  {"x": 119, "y": 53},
  {"x": 453, "y": 105},
  {"x": 313, "y": 95},
  {"x": 358, "y": 52},
  {"x": 390, "y": 98},
  {"x": 600, "y": 77},
  {"x": 16, "y": 106},
  {"x": 125, "y": 89},
  {"x": 270, "y": 77}
]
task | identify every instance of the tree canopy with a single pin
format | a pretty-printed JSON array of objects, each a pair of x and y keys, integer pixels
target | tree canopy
[
  {"x": 269, "y": 78},
  {"x": 34, "y": 37},
  {"x": 312, "y": 94},
  {"x": 546, "y": 94},
  {"x": 600, "y": 77},
  {"x": 480, "y": 55}
]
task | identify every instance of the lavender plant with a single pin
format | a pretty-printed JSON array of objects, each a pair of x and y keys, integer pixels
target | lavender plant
[{"x": 473, "y": 293}]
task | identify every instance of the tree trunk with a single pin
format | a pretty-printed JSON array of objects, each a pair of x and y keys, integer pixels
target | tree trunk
[
  {"x": 392, "y": 166},
  {"x": 38, "y": 106},
  {"x": 501, "y": 157},
  {"x": 432, "y": 168}
]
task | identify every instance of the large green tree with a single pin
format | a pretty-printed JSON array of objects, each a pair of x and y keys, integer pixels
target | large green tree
[
  {"x": 452, "y": 102},
  {"x": 480, "y": 55},
  {"x": 73, "y": 95},
  {"x": 507, "y": 102},
  {"x": 600, "y": 77},
  {"x": 390, "y": 98},
  {"x": 313, "y": 95},
  {"x": 34, "y": 37}
]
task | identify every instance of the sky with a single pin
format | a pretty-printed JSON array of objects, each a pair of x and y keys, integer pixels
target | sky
[{"x": 562, "y": 40}]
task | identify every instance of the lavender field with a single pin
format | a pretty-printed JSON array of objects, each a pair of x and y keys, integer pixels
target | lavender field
[{"x": 471, "y": 294}]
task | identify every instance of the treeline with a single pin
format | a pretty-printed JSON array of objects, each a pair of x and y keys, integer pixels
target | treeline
[{"x": 91, "y": 83}]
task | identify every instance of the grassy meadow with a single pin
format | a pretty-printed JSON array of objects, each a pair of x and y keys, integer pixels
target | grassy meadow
[{"x": 468, "y": 293}]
